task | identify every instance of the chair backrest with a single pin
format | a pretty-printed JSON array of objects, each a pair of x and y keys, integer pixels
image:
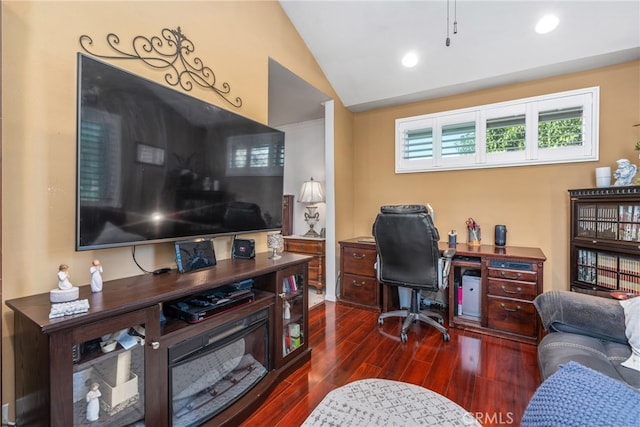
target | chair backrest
[{"x": 407, "y": 245}]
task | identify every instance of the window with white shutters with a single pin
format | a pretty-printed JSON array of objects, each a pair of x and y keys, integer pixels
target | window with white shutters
[{"x": 555, "y": 128}]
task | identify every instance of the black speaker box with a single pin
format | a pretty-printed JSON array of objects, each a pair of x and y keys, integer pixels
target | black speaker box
[
  {"x": 500, "y": 235},
  {"x": 244, "y": 249}
]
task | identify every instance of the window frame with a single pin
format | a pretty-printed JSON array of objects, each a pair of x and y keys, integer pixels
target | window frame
[{"x": 587, "y": 98}]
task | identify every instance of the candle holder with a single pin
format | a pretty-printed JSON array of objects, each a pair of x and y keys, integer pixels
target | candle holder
[{"x": 275, "y": 243}]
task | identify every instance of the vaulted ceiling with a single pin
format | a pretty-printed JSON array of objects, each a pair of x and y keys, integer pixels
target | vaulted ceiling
[{"x": 359, "y": 44}]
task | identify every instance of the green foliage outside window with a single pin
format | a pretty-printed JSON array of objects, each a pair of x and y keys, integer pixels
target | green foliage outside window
[
  {"x": 506, "y": 139},
  {"x": 560, "y": 133}
]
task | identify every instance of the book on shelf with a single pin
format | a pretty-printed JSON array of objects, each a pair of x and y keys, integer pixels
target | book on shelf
[
  {"x": 629, "y": 283},
  {"x": 606, "y": 261},
  {"x": 607, "y": 279},
  {"x": 289, "y": 284},
  {"x": 630, "y": 266}
]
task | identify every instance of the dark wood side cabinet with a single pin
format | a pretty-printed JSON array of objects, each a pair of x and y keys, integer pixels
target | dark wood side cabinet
[
  {"x": 359, "y": 285},
  {"x": 56, "y": 359},
  {"x": 314, "y": 247},
  {"x": 605, "y": 240}
]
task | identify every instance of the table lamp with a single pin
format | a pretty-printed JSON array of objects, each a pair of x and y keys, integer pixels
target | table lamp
[{"x": 311, "y": 192}]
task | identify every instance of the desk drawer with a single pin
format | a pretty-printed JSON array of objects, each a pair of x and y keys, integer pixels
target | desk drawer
[
  {"x": 525, "y": 276},
  {"x": 513, "y": 289},
  {"x": 513, "y": 316},
  {"x": 359, "y": 261},
  {"x": 360, "y": 289},
  {"x": 311, "y": 247}
]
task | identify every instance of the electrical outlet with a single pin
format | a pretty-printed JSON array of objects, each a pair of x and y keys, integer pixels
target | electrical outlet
[{"x": 5, "y": 414}]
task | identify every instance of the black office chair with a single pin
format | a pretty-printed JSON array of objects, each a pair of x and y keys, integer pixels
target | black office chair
[{"x": 408, "y": 256}]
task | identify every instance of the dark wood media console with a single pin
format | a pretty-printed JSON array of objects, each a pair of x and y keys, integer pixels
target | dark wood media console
[{"x": 54, "y": 363}]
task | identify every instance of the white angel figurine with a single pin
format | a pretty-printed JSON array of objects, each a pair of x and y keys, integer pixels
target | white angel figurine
[
  {"x": 63, "y": 277},
  {"x": 96, "y": 276},
  {"x": 93, "y": 404}
]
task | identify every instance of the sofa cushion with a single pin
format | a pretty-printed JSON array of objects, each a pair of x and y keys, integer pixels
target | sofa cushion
[
  {"x": 579, "y": 396},
  {"x": 632, "y": 323},
  {"x": 604, "y": 356},
  {"x": 583, "y": 314}
]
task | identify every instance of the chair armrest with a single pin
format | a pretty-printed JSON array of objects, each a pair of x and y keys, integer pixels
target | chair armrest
[
  {"x": 449, "y": 253},
  {"x": 583, "y": 314},
  {"x": 444, "y": 265}
]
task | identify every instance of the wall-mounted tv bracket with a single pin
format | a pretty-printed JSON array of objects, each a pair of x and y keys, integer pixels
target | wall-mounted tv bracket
[{"x": 171, "y": 52}]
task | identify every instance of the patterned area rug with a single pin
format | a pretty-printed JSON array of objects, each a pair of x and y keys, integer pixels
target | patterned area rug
[{"x": 376, "y": 402}]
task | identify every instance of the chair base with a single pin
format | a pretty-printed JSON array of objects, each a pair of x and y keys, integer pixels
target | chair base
[{"x": 414, "y": 314}]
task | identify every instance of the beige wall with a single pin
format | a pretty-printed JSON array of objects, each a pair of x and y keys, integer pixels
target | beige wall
[
  {"x": 39, "y": 45},
  {"x": 532, "y": 201}
]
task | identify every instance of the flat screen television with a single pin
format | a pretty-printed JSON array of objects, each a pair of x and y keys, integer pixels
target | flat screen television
[{"x": 155, "y": 164}]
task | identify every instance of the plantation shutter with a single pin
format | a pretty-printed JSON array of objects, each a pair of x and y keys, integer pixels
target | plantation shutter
[
  {"x": 459, "y": 139},
  {"x": 418, "y": 144}
]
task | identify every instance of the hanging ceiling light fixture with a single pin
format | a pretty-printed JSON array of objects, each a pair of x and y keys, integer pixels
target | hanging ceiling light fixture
[{"x": 455, "y": 21}]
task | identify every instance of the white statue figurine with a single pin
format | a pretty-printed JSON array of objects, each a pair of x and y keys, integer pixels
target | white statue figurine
[
  {"x": 63, "y": 278},
  {"x": 96, "y": 276},
  {"x": 93, "y": 404},
  {"x": 65, "y": 291},
  {"x": 287, "y": 310},
  {"x": 625, "y": 173}
]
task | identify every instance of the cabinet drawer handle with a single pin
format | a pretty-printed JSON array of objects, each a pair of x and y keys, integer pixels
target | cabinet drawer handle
[
  {"x": 358, "y": 256},
  {"x": 505, "y": 308},
  {"x": 507, "y": 291},
  {"x": 506, "y": 276},
  {"x": 356, "y": 284},
  {"x": 154, "y": 345}
]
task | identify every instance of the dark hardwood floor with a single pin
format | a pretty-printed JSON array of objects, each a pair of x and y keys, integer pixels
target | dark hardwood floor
[{"x": 490, "y": 377}]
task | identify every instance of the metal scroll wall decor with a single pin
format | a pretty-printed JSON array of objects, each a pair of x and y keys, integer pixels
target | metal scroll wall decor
[{"x": 171, "y": 52}]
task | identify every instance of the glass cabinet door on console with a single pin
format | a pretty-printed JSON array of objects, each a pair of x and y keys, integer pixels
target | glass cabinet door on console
[
  {"x": 605, "y": 240},
  {"x": 291, "y": 316},
  {"x": 109, "y": 378},
  {"x": 110, "y": 361},
  {"x": 95, "y": 374}
]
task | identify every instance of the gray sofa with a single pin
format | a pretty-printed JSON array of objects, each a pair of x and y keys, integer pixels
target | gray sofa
[{"x": 585, "y": 329}]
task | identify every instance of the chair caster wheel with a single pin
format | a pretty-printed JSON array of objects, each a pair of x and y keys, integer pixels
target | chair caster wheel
[
  {"x": 380, "y": 321},
  {"x": 403, "y": 337},
  {"x": 446, "y": 337}
]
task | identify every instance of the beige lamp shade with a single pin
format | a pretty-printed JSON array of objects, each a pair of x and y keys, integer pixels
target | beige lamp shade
[{"x": 311, "y": 192}]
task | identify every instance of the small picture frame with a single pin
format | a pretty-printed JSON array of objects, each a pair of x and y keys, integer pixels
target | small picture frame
[{"x": 194, "y": 254}]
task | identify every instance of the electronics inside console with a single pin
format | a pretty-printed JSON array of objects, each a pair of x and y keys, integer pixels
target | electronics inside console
[{"x": 198, "y": 307}]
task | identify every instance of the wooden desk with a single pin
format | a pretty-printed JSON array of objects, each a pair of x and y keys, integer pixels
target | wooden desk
[{"x": 510, "y": 278}]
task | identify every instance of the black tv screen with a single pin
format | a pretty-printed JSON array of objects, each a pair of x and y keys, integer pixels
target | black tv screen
[{"x": 155, "y": 164}]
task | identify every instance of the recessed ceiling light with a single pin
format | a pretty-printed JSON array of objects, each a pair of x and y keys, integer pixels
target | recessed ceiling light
[
  {"x": 547, "y": 24},
  {"x": 410, "y": 60}
]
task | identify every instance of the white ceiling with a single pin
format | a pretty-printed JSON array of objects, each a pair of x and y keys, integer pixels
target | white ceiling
[{"x": 359, "y": 44}]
